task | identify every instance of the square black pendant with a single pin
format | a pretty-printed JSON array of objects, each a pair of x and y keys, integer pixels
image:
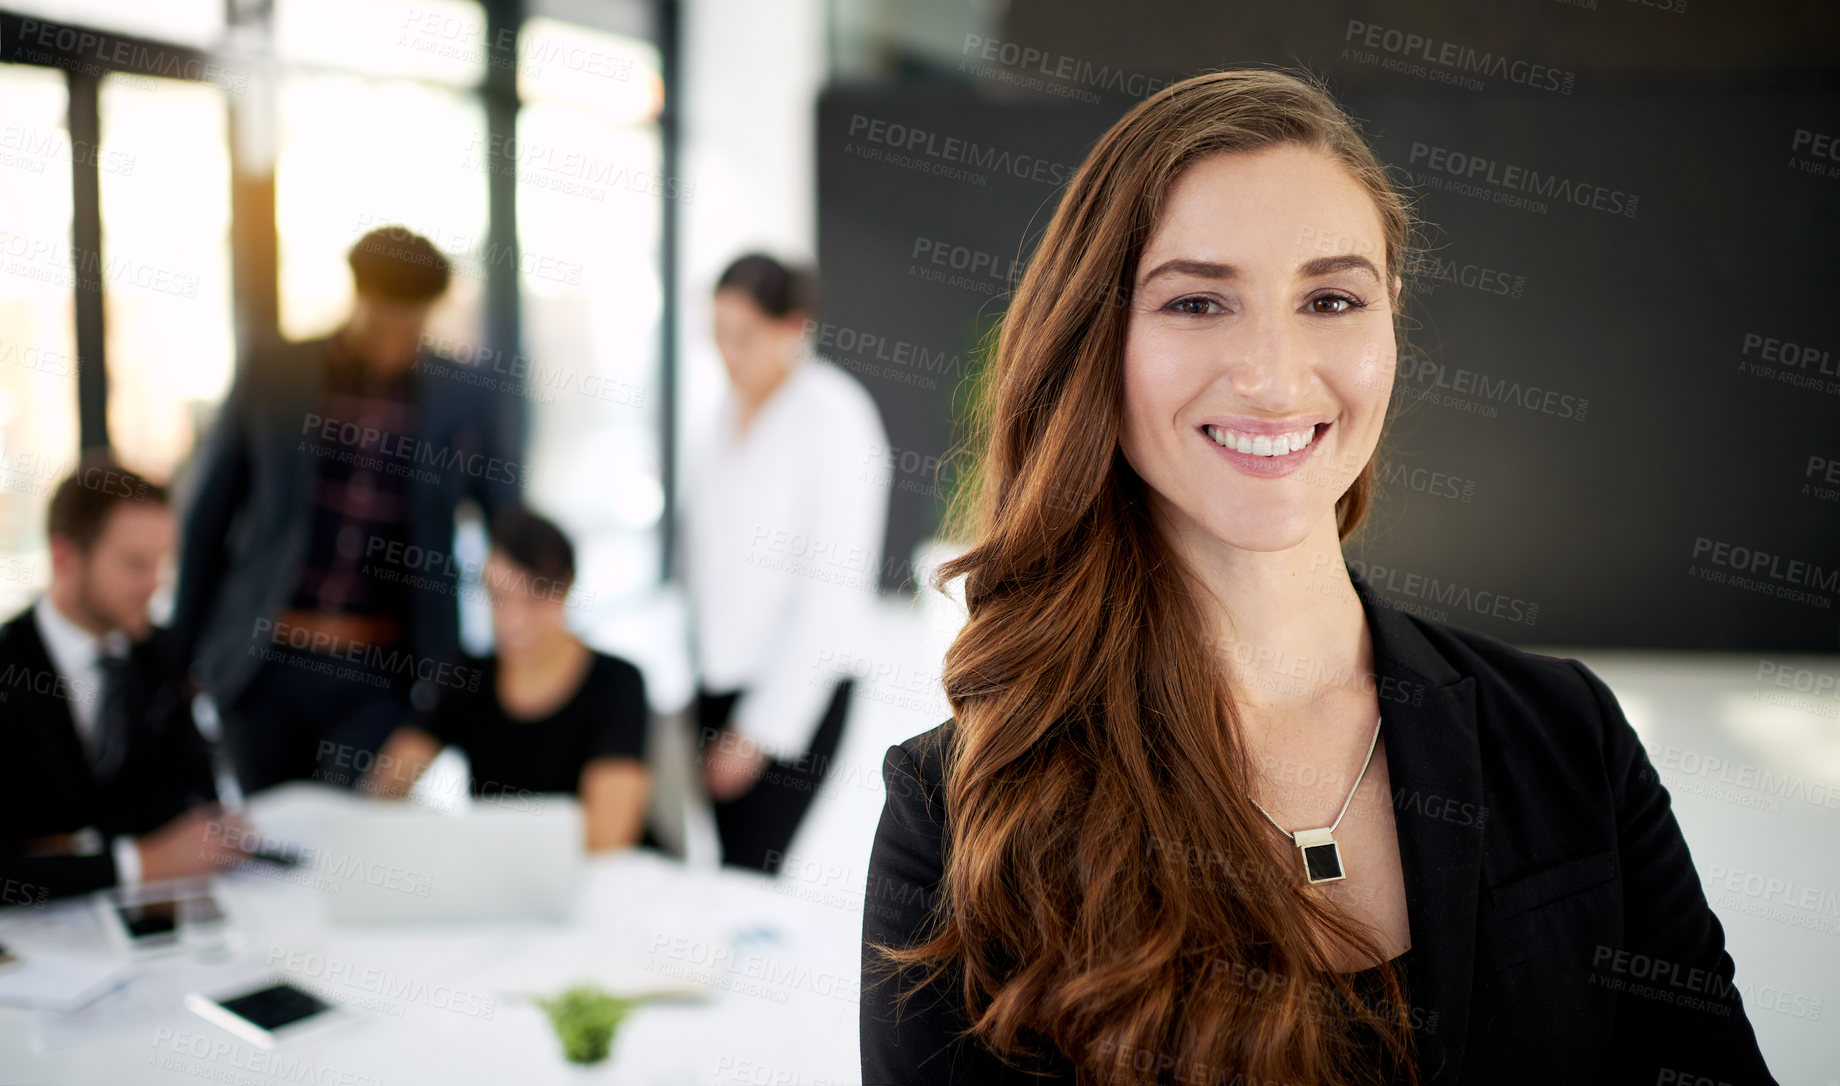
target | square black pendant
[{"x": 1322, "y": 857}]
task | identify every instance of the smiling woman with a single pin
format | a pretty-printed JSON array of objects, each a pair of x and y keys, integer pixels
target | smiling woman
[
  {"x": 1130, "y": 854},
  {"x": 1264, "y": 361}
]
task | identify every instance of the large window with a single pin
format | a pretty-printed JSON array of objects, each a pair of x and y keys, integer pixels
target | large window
[
  {"x": 376, "y": 115},
  {"x": 38, "y": 345},
  {"x": 165, "y": 193},
  {"x": 335, "y": 117},
  {"x": 356, "y": 154},
  {"x": 588, "y": 163}
]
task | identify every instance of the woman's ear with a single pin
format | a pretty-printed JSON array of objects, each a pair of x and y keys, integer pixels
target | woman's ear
[{"x": 1398, "y": 285}]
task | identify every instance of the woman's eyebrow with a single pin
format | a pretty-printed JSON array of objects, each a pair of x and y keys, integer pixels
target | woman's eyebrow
[{"x": 1309, "y": 269}]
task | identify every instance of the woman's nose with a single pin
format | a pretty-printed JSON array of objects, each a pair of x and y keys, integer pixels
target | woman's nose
[{"x": 1268, "y": 360}]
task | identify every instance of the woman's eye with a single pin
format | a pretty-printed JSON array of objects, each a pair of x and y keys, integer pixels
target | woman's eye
[
  {"x": 1194, "y": 306},
  {"x": 1348, "y": 302}
]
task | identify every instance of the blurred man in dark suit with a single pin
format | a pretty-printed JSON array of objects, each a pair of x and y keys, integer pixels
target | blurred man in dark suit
[
  {"x": 318, "y": 592},
  {"x": 104, "y": 779}
]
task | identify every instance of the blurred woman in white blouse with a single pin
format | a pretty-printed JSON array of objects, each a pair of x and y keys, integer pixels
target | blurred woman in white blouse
[{"x": 785, "y": 513}]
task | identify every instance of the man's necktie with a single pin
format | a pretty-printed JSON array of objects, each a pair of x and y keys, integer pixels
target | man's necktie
[{"x": 112, "y": 722}]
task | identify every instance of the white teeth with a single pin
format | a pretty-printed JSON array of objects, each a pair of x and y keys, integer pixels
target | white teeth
[{"x": 1262, "y": 444}]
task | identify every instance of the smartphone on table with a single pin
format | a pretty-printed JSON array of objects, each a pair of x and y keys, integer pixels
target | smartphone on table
[
  {"x": 150, "y": 920},
  {"x": 268, "y": 1012}
]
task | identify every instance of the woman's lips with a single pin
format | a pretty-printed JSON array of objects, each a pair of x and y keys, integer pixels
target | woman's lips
[{"x": 1266, "y": 467}]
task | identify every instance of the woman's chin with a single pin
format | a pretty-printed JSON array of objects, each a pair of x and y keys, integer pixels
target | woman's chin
[{"x": 1276, "y": 530}]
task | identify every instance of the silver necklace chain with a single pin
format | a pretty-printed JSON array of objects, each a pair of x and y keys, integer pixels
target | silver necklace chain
[{"x": 1371, "y": 744}]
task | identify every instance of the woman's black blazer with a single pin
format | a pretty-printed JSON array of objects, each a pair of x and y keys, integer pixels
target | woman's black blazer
[{"x": 1560, "y": 932}]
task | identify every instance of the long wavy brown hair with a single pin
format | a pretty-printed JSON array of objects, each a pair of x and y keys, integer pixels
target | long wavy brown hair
[{"x": 1109, "y": 886}]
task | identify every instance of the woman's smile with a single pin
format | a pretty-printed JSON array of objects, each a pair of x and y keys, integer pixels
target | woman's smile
[{"x": 1264, "y": 453}]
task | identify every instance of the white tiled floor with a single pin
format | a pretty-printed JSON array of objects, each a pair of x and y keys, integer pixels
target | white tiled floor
[{"x": 1750, "y": 779}]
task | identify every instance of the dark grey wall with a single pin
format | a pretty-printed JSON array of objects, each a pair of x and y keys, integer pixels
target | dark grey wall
[{"x": 1603, "y": 442}]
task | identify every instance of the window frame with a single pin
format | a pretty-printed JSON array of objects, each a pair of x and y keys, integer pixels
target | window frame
[{"x": 254, "y": 236}]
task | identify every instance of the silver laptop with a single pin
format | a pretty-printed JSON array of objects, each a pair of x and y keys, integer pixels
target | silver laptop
[{"x": 403, "y": 862}]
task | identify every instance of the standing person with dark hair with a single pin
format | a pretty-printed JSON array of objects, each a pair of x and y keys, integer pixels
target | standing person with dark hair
[
  {"x": 782, "y": 556},
  {"x": 317, "y": 592},
  {"x": 104, "y": 779},
  {"x": 550, "y": 714}
]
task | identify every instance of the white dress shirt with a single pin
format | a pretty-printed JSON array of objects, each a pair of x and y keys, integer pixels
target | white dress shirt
[
  {"x": 782, "y": 549},
  {"x": 77, "y": 655}
]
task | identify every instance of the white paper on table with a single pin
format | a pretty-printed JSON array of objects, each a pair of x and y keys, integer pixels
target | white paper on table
[{"x": 58, "y": 981}]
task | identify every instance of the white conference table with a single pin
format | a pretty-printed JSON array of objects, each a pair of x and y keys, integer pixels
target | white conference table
[{"x": 444, "y": 1003}]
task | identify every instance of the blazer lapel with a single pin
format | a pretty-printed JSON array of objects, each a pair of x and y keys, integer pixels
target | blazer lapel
[
  {"x": 1428, "y": 718},
  {"x": 297, "y": 446},
  {"x": 54, "y": 717}
]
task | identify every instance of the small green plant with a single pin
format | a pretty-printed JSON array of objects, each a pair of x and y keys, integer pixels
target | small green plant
[{"x": 585, "y": 1018}]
